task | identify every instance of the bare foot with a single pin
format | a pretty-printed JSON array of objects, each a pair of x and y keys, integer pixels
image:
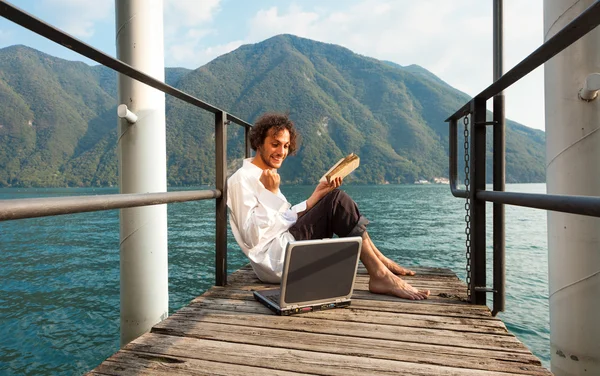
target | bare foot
[
  {"x": 389, "y": 284},
  {"x": 395, "y": 268}
]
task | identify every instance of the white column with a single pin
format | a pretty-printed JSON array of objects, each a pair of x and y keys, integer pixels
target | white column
[
  {"x": 572, "y": 160},
  {"x": 142, "y": 168}
]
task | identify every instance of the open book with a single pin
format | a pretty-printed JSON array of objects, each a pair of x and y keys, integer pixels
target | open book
[{"x": 342, "y": 168}]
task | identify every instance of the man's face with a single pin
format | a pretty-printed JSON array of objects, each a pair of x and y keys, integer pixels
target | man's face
[{"x": 275, "y": 148}]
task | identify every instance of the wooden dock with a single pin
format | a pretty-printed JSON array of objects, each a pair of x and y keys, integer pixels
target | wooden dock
[{"x": 226, "y": 332}]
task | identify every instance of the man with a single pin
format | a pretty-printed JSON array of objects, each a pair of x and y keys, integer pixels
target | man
[{"x": 263, "y": 222}]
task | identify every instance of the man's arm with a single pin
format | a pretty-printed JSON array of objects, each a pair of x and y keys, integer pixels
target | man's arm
[{"x": 321, "y": 191}]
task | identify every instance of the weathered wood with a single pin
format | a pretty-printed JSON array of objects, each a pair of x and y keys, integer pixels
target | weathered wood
[
  {"x": 226, "y": 332},
  {"x": 391, "y": 305},
  {"x": 287, "y": 359},
  {"x": 420, "y": 335},
  {"x": 126, "y": 363},
  {"x": 239, "y": 291},
  {"x": 382, "y": 349},
  {"x": 420, "y": 270},
  {"x": 363, "y": 280},
  {"x": 352, "y": 314}
]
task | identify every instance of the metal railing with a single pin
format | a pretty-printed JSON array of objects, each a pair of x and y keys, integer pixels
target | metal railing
[
  {"x": 41, "y": 207},
  {"x": 477, "y": 194}
]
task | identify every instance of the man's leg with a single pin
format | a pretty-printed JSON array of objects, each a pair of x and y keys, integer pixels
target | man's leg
[
  {"x": 382, "y": 280},
  {"x": 391, "y": 265},
  {"x": 337, "y": 213}
]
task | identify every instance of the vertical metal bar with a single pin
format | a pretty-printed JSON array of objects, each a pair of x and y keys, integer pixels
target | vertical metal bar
[
  {"x": 221, "y": 203},
  {"x": 452, "y": 138},
  {"x": 498, "y": 40},
  {"x": 248, "y": 146},
  {"x": 477, "y": 170},
  {"x": 499, "y": 130}
]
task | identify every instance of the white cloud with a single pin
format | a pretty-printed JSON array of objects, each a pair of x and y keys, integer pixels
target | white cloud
[
  {"x": 190, "y": 13},
  {"x": 78, "y": 17},
  {"x": 190, "y": 56},
  {"x": 269, "y": 22},
  {"x": 187, "y": 24},
  {"x": 453, "y": 39}
]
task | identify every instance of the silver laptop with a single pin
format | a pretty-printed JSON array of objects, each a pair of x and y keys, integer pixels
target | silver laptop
[{"x": 317, "y": 275}]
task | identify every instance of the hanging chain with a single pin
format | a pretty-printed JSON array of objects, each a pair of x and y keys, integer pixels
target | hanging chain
[{"x": 467, "y": 205}]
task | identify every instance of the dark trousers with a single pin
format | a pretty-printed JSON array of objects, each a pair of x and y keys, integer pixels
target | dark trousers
[{"x": 336, "y": 213}]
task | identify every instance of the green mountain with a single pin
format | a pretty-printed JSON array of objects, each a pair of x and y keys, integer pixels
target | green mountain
[{"x": 58, "y": 118}]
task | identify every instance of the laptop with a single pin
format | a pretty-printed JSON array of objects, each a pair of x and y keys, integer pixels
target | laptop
[{"x": 317, "y": 275}]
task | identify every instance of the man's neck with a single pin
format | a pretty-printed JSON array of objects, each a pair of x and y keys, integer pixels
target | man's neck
[{"x": 257, "y": 161}]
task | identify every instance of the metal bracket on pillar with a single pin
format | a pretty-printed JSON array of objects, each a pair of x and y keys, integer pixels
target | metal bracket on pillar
[
  {"x": 590, "y": 88},
  {"x": 124, "y": 113}
]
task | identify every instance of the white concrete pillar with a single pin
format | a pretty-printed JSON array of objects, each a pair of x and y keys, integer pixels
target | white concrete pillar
[
  {"x": 142, "y": 169},
  {"x": 572, "y": 168}
]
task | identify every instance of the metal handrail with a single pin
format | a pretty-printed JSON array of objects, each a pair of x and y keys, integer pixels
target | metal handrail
[
  {"x": 582, "y": 205},
  {"x": 453, "y": 159},
  {"x": 44, "y": 207}
]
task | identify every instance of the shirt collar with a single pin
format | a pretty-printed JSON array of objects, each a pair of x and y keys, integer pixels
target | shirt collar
[{"x": 251, "y": 168}]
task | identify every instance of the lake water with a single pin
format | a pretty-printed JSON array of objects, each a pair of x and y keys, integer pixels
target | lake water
[{"x": 59, "y": 295}]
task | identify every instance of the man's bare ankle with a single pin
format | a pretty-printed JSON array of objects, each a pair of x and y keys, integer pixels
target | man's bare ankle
[{"x": 380, "y": 273}]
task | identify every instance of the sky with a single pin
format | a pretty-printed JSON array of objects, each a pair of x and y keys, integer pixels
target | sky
[{"x": 450, "y": 38}]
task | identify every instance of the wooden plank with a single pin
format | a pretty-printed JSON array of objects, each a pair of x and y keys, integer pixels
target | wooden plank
[
  {"x": 287, "y": 359},
  {"x": 355, "y": 315},
  {"x": 361, "y": 292},
  {"x": 241, "y": 277},
  {"x": 382, "y": 349},
  {"x": 245, "y": 292},
  {"x": 363, "y": 330},
  {"x": 436, "y": 297},
  {"x": 420, "y": 270},
  {"x": 396, "y": 306},
  {"x": 467, "y": 311},
  {"x": 127, "y": 363},
  {"x": 440, "y": 289},
  {"x": 250, "y": 279}
]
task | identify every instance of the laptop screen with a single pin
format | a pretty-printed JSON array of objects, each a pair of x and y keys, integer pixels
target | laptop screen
[{"x": 321, "y": 271}]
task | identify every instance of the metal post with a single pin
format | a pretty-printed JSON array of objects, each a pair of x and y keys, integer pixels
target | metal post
[
  {"x": 221, "y": 204},
  {"x": 499, "y": 165},
  {"x": 142, "y": 169},
  {"x": 453, "y": 152},
  {"x": 248, "y": 146},
  {"x": 477, "y": 178}
]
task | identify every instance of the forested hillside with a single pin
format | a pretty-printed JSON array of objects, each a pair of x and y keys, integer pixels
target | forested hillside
[{"x": 58, "y": 118}]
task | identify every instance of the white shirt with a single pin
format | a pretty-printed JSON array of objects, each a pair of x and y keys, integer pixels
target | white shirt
[{"x": 260, "y": 221}]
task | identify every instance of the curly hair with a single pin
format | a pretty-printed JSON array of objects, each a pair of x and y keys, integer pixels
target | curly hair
[{"x": 277, "y": 122}]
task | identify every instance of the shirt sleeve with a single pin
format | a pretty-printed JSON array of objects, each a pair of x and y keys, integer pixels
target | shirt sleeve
[
  {"x": 258, "y": 213},
  {"x": 299, "y": 208}
]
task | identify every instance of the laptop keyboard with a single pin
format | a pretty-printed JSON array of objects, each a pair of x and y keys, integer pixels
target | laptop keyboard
[{"x": 274, "y": 298}]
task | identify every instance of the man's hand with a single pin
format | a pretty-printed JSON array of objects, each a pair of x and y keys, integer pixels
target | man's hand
[
  {"x": 322, "y": 190},
  {"x": 270, "y": 179}
]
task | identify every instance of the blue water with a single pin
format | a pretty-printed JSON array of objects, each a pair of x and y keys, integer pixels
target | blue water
[{"x": 59, "y": 296}]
